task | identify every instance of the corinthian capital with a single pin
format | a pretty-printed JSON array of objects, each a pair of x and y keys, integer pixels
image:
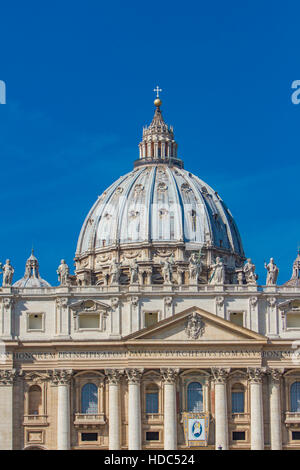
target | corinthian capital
[
  {"x": 7, "y": 376},
  {"x": 62, "y": 376},
  {"x": 134, "y": 375},
  {"x": 169, "y": 375},
  {"x": 220, "y": 374},
  {"x": 255, "y": 374},
  {"x": 8, "y": 302},
  {"x": 275, "y": 374},
  {"x": 114, "y": 376}
]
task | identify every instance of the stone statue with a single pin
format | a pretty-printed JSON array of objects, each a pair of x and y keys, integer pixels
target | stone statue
[
  {"x": 134, "y": 272},
  {"x": 167, "y": 269},
  {"x": 63, "y": 273},
  {"x": 249, "y": 271},
  {"x": 8, "y": 272},
  {"x": 218, "y": 274},
  {"x": 195, "y": 267},
  {"x": 272, "y": 273},
  {"x": 114, "y": 272}
]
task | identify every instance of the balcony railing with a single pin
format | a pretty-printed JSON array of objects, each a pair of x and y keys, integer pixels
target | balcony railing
[
  {"x": 240, "y": 417},
  {"x": 292, "y": 417},
  {"x": 153, "y": 417},
  {"x": 35, "y": 420},
  {"x": 89, "y": 419}
]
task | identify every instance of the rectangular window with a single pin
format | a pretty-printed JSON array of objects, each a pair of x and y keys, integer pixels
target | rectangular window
[
  {"x": 152, "y": 402},
  {"x": 89, "y": 322},
  {"x": 152, "y": 436},
  {"x": 89, "y": 436},
  {"x": 237, "y": 399},
  {"x": 150, "y": 318},
  {"x": 238, "y": 436},
  {"x": 237, "y": 318},
  {"x": 35, "y": 322},
  {"x": 293, "y": 320},
  {"x": 296, "y": 435}
]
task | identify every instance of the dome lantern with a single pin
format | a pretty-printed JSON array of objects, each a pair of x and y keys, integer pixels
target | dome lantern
[
  {"x": 158, "y": 144},
  {"x": 31, "y": 276}
]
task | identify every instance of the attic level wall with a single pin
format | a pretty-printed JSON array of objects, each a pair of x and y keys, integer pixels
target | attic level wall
[{"x": 121, "y": 314}]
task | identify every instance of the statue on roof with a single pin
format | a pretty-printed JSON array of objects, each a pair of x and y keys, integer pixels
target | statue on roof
[
  {"x": 8, "y": 272},
  {"x": 114, "y": 272},
  {"x": 167, "y": 269},
  {"x": 249, "y": 271},
  {"x": 63, "y": 273},
  {"x": 218, "y": 274},
  {"x": 134, "y": 272},
  {"x": 195, "y": 267},
  {"x": 272, "y": 273}
]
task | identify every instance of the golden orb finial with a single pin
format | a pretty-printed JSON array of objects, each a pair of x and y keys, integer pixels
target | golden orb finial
[{"x": 157, "y": 102}]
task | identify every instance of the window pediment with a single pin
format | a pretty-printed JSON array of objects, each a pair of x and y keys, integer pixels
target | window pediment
[{"x": 89, "y": 306}]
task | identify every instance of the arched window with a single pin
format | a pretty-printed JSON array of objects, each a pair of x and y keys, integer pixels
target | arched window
[
  {"x": 152, "y": 399},
  {"x": 195, "y": 397},
  {"x": 35, "y": 400},
  {"x": 295, "y": 397},
  {"x": 237, "y": 399},
  {"x": 89, "y": 399}
]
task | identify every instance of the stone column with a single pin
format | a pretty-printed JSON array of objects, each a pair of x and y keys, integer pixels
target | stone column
[
  {"x": 113, "y": 377},
  {"x": 62, "y": 378},
  {"x": 134, "y": 409},
  {"x": 221, "y": 419},
  {"x": 169, "y": 377},
  {"x": 275, "y": 409},
  {"x": 6, "y": 408},
  {"x": 255, "y": 376}
]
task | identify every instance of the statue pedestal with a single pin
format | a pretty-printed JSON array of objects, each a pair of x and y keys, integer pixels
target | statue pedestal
[
  {"x": 193, "y": 287},
  {"x": 63, "y": 289},
  {"x": 114, "y": 288},
  {"x": 168, "y": 287},
  {"x": 133, "y": 288},
  {"x": 252, "y": 287},
  {"x": 6, "y": 290},
  {"x": 272, "y": 289}
]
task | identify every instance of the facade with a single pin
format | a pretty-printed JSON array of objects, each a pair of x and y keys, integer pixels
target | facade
[{"x": 163, "y": 338}]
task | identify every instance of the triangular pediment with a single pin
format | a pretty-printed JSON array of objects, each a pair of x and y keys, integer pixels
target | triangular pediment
[
  {"x": 88, "y": 305},
  {"x": 196, "y": 325}
]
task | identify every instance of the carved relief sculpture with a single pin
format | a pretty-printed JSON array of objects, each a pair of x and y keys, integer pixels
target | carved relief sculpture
[{"x": 194, "y": 326}]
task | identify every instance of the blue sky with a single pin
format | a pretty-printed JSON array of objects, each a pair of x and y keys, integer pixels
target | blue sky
[{"x": 79, "y": 79}]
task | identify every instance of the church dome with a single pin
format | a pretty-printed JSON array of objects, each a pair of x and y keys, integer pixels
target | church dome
[
  {"x": 159, "y": 203},
  {"x": 31, "y": 276}
]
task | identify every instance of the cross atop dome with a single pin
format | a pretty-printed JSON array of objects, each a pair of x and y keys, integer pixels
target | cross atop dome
[
  {"x": 157, "y": 90},
  {"x": 157, "y": 101}
]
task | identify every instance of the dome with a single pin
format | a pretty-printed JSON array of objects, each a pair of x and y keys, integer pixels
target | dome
[
  {"x": 157, "y": 206},
  {"x": 31, "y": 277},
  {"x": 159, "y": 203}
]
